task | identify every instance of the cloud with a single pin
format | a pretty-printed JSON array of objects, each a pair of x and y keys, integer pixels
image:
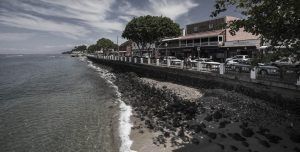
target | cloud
[
  {"x": 71, "y": 18},
  {"x": 169, "y": 8},
  {"x": 15, "y": 36}
]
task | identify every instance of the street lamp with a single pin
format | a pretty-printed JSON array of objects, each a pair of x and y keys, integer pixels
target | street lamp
[{"x": 166, "y": 45}]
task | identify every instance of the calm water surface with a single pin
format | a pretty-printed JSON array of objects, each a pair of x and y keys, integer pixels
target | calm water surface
[{"x": 54, "y": 103}]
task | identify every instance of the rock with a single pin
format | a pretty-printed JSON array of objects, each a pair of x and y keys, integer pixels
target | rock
[
  {"x": 181, "y": 132},
  {"x": 167, "y": 134},
  {"x": 273, "y": 138},
  {"x": 208, "y": 118},
  {"x": 244, "y": 125},
  {"x": 245, "y": 144},
  {"x": 233, "y": 148},
  {"x": 295, "y": 138},
  {"x": 296, "y": 149},
  {"x": 263, "y": 142},
  {"x": 262, "y": 130},
  {"x": 236, "y": 136},
  {"x": 247, "y": 132},
  {"x": 195, "y": 141},
  {"x": 221, "y": 146},
  {"x": 212, "y": 135},
  {"x": 222, "y": 135},
  {"x": 217, "y": 115},
  {"x": 223, "y": 124}
]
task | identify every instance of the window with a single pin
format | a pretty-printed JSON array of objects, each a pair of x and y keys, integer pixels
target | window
[
  {"x": 210, "y": 26},
  {"x": 196, "y": 29},
  {"x": 213, "y": 39},
  {"x": 197, "y": 40},
  {"x": 204, "y": 40},
  {"x": 189, "y": 41},
  {"x": 220, "y": 38}
]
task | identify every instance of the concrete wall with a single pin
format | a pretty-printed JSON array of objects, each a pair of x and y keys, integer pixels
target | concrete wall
[{"x": 288, "y": 96}]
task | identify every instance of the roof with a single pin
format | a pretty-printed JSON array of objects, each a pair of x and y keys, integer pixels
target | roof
[
  {"x": 202, "y": 34},
  {"x": 126, "y": 43}
]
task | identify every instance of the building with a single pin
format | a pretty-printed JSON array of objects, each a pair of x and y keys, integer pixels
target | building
[
  {"x": 210, "y": 39},
  {"x": 125, "y": 49},
  {"x": 138, "y": 51}
]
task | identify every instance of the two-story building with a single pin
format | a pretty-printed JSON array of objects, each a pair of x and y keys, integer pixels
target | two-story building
[
  {"x": 210, "y": 39},
  {"x": 125, "y": 49}
]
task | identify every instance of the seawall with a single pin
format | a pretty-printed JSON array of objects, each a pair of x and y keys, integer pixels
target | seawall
[{"x": 286, "y": 96}]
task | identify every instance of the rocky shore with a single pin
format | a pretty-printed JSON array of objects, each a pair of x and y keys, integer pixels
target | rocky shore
[{"x": 170, "y": 117}]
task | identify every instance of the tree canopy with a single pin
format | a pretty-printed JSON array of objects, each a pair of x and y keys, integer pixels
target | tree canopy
[
  {"x": 276, "y": 21},
  {"x": 147, "y": 30},
  {"x": 80, "y": 48},
  {"x": 103, "y": 44}
]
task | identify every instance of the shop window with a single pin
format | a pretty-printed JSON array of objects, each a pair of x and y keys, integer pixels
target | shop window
[
  {"x": 197, "y": 41},
  {"x": 204, "y": 40},
  {"x": 213, "y": 39},
  {"x": 189, "y": 41}
]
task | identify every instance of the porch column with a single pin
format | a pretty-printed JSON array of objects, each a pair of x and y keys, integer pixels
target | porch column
[
  {"x": 168, "y": 62},
  {"x": 253, "y": 73},
  {"x": 222, "y": 68}
]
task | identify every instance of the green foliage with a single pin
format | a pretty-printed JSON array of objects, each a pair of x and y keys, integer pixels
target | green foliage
[
  {"x": 93, "y": 48},
  {"x": 150, "y": 29},
  {"x": 80, "y": 48},
  {"x": 102, "y": 44},
  {"x": 106, "y": 44},
  {"x": 276, "y": 21}
]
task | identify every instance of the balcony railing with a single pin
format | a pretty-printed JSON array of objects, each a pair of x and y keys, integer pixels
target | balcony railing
[{"x": 214, "y": 43}]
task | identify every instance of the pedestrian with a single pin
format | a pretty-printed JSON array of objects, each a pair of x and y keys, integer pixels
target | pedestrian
[{"x": 189, "y": 60}]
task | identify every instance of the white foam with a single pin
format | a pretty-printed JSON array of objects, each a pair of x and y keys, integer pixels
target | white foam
[{"x": 125, "y": 110}]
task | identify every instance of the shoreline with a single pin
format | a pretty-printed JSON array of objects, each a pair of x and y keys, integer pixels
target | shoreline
[
  {"x": 215, "y": 120},
  {"x": 221, "y": 120}
]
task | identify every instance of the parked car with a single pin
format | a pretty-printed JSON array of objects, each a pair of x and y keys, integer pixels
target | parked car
[
  {"x": 268, "y": 69},
  {"x": 173, "y": 59},
  {"x": 233, "y": 61},
  {"x": 208, "y": 63},
  {"x": 238, "y": 57},
  {"x": 241, "y": 66}
]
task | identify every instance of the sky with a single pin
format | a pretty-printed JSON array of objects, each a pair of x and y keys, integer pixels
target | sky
[{"x": 54, "y": 26}]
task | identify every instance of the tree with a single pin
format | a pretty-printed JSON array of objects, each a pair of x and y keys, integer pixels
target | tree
[
  {"x": 93, "y": 48},
  {"x": 80, "y": 48},
  {"x": 106, "y": 45},
  {"x": 147, "y": 30},
  {"x": 276, "y": 21}
]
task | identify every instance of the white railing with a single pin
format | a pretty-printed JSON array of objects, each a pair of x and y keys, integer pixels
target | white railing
[{"x": 219, "y": 68}]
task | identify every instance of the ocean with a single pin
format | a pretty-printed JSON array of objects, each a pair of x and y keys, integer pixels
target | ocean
[{"x": 59, "y": 103}]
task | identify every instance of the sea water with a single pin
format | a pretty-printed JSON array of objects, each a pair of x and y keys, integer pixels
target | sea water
[{"x": 59, "y": 103}]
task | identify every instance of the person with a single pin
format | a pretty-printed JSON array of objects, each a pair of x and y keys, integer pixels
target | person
[
  {"x": 185, "y": 62},
  {"x": 189, "y": 60}
]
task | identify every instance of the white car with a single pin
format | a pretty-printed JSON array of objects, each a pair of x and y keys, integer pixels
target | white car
[
  {"x": 231, "y": 62},
  {"x": 238, "y": 57},
  {"x": 173, "y": 59},
  {"x": 207, "y": 62}
]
